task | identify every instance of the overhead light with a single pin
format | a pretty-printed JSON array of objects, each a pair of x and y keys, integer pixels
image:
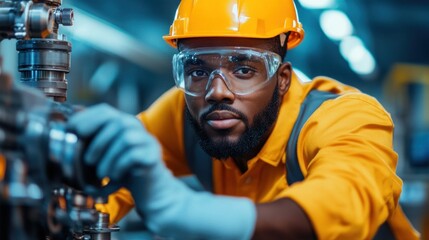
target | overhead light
[
  {"x": 359, "y": 57},
  {"x": 301, "y": 75},
  {"x": 348, "y": 44},
  {"x": 335, "y": 24},
  {"x": 317, "y": 4},
  {"x": 365, "y": 65},
  {"x": 109, "y": 38}
]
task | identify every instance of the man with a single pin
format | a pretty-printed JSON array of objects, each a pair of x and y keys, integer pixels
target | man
[{"x": 290, "y": 160}]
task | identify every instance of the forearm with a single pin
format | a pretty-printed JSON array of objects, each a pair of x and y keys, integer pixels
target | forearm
[
  {"x": 340, "y": 209},
  {"x": 171, "y": 209},
  {"x": 282, "y": 219},
  {"x": 189, "y": 214}
]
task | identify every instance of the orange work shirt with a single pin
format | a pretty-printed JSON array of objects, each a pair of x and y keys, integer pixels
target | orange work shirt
[{"x": 345, "y": 151}]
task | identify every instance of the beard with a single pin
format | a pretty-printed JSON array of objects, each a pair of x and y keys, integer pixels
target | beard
[{"x": 252, "y": 139}]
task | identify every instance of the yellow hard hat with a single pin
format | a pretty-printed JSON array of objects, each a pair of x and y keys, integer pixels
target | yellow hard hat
[{"x": 236, "y": 18}]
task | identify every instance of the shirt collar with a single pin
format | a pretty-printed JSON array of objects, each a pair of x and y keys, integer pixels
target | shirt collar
[{"x": 275, "y": 147}]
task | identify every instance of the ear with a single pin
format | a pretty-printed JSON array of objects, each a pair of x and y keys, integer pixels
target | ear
[{"x": 284, "y": 76}]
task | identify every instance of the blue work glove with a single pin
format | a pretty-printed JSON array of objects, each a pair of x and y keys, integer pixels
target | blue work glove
[{"x": 125, "y": 152}]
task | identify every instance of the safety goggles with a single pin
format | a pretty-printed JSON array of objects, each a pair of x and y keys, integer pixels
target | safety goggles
[{"x": 244, "y": 70}]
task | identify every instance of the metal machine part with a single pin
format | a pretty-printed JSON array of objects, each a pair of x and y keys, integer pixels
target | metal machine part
[
  {"x": 46, "y": 192},
  {"x": 23, "y": 198},
  {"x": 44, "y": 164},
  {"x": 32, "y": 19},
  {"x": 43, "y": 54},
  {"x": 43, "y": 64},
  {"x": 76, "y": 210},
  {"x": 101, "y": 230}
]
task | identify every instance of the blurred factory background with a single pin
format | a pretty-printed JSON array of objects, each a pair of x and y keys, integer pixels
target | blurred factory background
[{"x": 119, "y": 57}]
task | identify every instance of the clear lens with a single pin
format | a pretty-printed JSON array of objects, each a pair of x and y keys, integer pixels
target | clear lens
[{"x": 244, "y": 70}]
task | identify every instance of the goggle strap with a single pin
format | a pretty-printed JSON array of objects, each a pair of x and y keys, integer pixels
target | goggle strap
[{"x": 282, "y": 39}]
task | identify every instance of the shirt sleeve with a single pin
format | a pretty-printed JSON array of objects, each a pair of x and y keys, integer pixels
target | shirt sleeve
[
  {"x": 2, "y": 167},
  {"x": 346, "y": 154},
  {"x": 118, "y": 205}
]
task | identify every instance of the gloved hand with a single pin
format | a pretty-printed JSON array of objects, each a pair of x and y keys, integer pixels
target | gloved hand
[{"x": 125, "y": 152}]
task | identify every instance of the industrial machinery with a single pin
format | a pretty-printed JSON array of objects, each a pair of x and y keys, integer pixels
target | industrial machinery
[{"x": 45, "y": 193}]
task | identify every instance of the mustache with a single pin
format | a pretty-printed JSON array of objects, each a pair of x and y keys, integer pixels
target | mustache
[{"x": 222, "y": 106}]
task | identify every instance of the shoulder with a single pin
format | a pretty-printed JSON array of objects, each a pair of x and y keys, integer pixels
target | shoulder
[
  {"x": 350, "y": 100},
  {"x": 351, "y": 113},
  {"x": 323, "y": 83},
  {"x": 351, "y": 117},
  {"x": 168, "y": 105},
  {"x": 164, "y": 120},
  {"x": 356, "y": 105}
]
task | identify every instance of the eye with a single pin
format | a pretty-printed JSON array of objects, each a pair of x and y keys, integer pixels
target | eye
[
  {"x": 198, "y": 73},
  {"x": 244, "y": 72}
]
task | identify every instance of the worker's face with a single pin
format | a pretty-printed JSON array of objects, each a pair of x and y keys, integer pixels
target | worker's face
[{"x": 230, "y": 124}]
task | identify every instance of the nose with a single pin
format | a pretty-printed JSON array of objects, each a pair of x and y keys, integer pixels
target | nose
[{"x": 218, "y": 91}]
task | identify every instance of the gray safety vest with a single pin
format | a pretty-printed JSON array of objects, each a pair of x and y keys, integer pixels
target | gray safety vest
[{"x": 200, "y": 162}]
